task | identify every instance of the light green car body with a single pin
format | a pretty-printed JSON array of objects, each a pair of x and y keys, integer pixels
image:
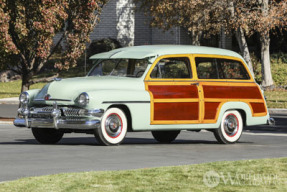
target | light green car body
[{"x": 107, "y": 91}]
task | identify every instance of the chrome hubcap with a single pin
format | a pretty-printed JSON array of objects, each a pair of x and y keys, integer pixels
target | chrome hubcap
[
  {"x": 113, "y": 125},
  {"x": 231, "y": 125}
]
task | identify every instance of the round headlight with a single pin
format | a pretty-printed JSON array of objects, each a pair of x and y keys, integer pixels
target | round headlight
[
  {"x": 24, "y": 98},
  {"x": 83, "y": 99}
]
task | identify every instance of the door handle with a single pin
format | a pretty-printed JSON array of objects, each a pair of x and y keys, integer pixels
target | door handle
[{"x": 197, "y": 84}]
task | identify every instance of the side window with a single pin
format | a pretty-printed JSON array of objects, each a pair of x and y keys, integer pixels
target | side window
[
  {"x": 206, "y": 68},
  {"x": 137, "y": 67},
  {"x": 212, "y": 68},
  {"x": 121, "y": 68},
  {"x": 232, "y": 69},
  {"x": 172, "y": 68},
  {"x": 105, "y": 67}
]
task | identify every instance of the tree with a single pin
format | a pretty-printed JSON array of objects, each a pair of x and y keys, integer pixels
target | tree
[
  {"x": 206, "y": 17},
  {"x": 261, "y": 16},
  {"x": 245, "y": 17},
  {"x": 194, "y": 16},
  {"x": 239, "y": 33},
  {"x": 28, "y": 28}
]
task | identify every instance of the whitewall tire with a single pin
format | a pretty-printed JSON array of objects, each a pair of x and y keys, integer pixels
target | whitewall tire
[
  {"x": 113, "y": 127},
  {"x": 230, "y": 129}
]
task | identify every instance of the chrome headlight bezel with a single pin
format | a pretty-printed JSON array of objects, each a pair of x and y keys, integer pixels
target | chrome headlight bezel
[
  {"x": 24, "y": 98},
  {"x": 83, "y": 99}
]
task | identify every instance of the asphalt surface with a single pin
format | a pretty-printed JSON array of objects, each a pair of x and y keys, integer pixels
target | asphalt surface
[
  {"x": 8, "y": 110},
  {"x": 22, "y": 156}
]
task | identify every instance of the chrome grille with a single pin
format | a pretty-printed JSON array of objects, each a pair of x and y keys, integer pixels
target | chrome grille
[
  {"x": 71, "y": 112},
  {"x": 46, "y": 111}
]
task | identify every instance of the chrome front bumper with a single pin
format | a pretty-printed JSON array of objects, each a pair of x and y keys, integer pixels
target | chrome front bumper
[
  {"x": 58, "y": 118},
  {"x": 59, "y": 124}
]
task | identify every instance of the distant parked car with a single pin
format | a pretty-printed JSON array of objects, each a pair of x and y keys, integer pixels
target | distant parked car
[{"x": 162, "y": 89}]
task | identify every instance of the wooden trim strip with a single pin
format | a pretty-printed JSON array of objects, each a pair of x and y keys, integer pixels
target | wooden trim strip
[{"x": 176, "y": 100}]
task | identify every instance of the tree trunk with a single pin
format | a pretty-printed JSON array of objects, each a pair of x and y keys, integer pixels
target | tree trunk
[
  {"x": 267, "y": 80},
  {"x": 240, "y": 37},
  {"x": 196, "y": 36},
  {"x": 25, "y": 82}
]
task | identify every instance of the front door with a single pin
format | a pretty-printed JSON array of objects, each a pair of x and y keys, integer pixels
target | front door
[{"x": 175, "y": 96}]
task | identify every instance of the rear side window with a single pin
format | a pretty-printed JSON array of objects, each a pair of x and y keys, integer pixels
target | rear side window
[
  {"x": 232, "y": 69},
  {"x": 212, "y": 68},
  {"x": 172, "y": 68}
]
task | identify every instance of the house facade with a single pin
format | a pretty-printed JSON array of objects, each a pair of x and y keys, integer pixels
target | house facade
[{"x": 120, "y": 20}]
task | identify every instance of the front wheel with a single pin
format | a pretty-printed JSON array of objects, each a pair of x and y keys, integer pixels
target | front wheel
[
  {"x": 113, "y": 127},
  {"x": 165, "y": 136},
  {"x": 47, "y": 136},
  {"x": 230, "y": 129}
]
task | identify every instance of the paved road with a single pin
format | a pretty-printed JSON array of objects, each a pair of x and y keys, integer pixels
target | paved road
[
  {"x": 21, "y": 156},
  {"x": 8, "y": 110}
]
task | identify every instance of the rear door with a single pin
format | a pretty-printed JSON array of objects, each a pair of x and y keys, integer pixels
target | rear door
[{"x": 226, "y": 79}]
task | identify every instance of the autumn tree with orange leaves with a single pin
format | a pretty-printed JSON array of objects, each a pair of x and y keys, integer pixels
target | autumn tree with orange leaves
[
  {"x": 28, "y": 27},
  {"x": 261, "y": 17},
  {"x": 241, "y": 17}
]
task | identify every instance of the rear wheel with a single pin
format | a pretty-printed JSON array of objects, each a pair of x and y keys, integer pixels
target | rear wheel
[
  {"x": 47, "y": 136},
  {"x": 230, "y": 129},
  {"x": 113, "y": 127},
  {"x": 165, "y": 136}
]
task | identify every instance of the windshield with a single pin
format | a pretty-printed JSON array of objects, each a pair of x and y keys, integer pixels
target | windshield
[{"x": 119, "y": 67}]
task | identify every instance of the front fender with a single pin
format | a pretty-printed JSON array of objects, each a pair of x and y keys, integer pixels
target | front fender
[
  {"x": 32, "y": 94},
  {"x": 104, "y": 98}
]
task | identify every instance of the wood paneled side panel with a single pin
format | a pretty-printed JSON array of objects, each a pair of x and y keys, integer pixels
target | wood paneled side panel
[
  {"x": 232, "y": 92},
  {"x": 210, "y": 110},
  {"x": 258, "y": 107},
  {"x": 175, "y": 111},
  {"x": 173, "y": 91}
]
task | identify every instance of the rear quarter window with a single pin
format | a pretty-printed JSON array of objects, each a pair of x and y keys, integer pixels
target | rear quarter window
[
  {"x": 232, "y": 69},
  {"x": 214, "y": 68}
]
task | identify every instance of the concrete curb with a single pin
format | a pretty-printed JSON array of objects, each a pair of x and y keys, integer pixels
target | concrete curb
[
  {"x": 11, "y": 101},
  {"x": 274, "y": 111},
  {"x": 6, "y": 122}
]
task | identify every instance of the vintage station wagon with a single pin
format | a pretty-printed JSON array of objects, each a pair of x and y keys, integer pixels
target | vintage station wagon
[{"x": 162, "y": 89}]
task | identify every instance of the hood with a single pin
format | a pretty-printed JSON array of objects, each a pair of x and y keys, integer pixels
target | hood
[{"x": 70, "y": 89}]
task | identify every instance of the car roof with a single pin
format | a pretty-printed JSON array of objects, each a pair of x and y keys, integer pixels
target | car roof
[{"x": 144, "y": 51}]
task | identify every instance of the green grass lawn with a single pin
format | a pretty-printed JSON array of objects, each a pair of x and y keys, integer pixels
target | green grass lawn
[
  {"x": 13, "y": 88},
  {"x": 276, "y": 99},
  {"x": 248, "y": 175}
]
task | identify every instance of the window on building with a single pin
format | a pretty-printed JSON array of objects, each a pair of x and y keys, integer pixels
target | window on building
[{"x": 172, "y": 68}]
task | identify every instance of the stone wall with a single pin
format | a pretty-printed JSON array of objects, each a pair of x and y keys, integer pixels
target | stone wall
[{"x": 108, "y": 22}]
